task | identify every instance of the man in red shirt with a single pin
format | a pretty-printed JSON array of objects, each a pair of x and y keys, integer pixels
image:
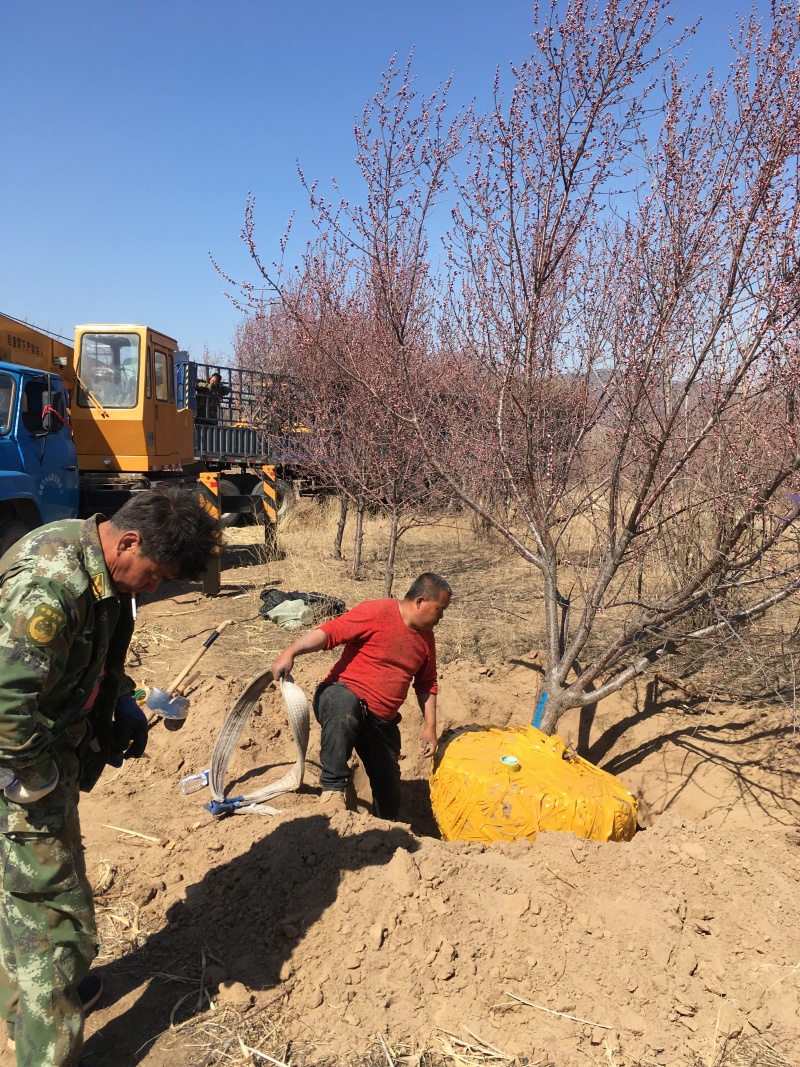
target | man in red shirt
[{"x": 388, "y": 645}]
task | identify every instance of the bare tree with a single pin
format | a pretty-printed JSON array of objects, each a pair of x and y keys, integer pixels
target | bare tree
[
  {"x": 353, "y": 443},
  {"x": 635, "y": 340},
  {"x": 362, "y": 302},
  {"x": 619, "y": 319},
  {"x": 262, "y": 341}
]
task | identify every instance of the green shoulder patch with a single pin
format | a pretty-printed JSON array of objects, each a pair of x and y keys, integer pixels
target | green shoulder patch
[
  {"x": 99, "y": 584},
  {"x": 44, "y": 624}
]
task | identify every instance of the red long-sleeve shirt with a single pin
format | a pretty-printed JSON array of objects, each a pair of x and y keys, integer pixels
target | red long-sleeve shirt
[{"x": 382, "y": 656}]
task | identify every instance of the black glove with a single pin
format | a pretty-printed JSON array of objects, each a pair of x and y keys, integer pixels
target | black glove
[{"x": 128, "y": 732}]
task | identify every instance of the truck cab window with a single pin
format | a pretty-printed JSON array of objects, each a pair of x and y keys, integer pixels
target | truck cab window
[
  {"x": 6, "y": 402},
  {"x": 35, "y": 397},
  {"x": 33, "y": 401},
  {"x": 108, "y": 368},
  {"x": 165, "y": 385}
]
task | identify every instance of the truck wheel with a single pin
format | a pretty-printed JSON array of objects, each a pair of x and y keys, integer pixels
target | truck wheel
[
  {"x": 226, "y": 488},
  {"x": 286, "y": 498},
  {"x": 11, "y": 529}
]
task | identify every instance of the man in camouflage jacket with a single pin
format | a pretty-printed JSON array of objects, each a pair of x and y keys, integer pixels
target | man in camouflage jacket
[{"x": 65, "y": 625}]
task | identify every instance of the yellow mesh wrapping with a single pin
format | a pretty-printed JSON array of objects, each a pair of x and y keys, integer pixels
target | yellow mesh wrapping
[{"x": 500, "y": 785}]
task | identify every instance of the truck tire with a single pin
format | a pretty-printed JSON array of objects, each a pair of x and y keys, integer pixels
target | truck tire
[
  {"x": 226, "y": 488},
  {"x": 286, "y": 498},
  {"x": 11, "y": 529}
]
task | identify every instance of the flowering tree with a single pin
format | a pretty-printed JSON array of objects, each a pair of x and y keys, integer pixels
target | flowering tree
[
  {"x": 618, "y": 316},
  {"x": 361, "y": 303},
  {"x": 263, "y": 341},
  {"x": 342, "y": 439},
  {"x": 636, "y": 342}
]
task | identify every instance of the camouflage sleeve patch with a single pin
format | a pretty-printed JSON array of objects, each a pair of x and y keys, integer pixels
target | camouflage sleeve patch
[
  {"x": 43, "y": 626},
  {"x": 38, "y": 623}
]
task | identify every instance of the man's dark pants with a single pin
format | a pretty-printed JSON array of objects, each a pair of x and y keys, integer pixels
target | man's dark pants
[{"x": 347, "y": 724}]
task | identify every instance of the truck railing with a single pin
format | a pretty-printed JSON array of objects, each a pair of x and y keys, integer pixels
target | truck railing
[
  {"x": 234, "y": 441},
  {"x": 248, "y": 417}
]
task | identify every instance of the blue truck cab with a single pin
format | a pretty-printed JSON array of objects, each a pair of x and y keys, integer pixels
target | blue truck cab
[{"x": 38, "y": 462}]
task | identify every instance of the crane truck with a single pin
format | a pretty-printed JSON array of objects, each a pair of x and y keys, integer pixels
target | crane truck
[{"x": 84, "y": 427}]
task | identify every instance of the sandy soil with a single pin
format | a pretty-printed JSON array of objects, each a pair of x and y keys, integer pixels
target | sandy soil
[{"x": 671, "y": 949}]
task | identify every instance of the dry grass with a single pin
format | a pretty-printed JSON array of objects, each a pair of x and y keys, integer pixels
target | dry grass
[
  {"x": 221, "y": 1035},
  {"x": 117, "y": 926},
  {"x": 496, "y": 611},
  {"x": 753, "y": 1051},
  {"x": 497, "y": 608},
  {"x": 224, "y": 1036}
]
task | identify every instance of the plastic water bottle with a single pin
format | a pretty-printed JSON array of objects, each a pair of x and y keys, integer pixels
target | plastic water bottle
[
  {"x": 194, "y": 782},
  {"x": 7, "y": 777}
]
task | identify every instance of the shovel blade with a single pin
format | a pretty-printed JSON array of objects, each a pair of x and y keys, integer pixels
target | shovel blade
[{"x": 169, "y": 707}]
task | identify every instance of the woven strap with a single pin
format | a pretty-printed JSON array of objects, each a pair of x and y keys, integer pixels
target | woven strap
[{"x": 254, "y": 803}]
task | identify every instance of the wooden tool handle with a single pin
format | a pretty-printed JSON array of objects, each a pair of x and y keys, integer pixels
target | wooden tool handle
[{"x": 198, "y": 655}]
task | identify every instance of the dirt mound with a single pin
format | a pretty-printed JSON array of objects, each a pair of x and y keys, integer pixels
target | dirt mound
[
  {"x": 558, "y": 951},
  {"x": 656, "y": 950}
]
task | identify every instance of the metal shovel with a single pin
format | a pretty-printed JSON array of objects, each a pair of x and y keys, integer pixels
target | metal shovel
[{"x": 174, "y": 709}]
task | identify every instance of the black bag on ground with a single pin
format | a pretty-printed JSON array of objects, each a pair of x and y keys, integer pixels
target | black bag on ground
[
  {"x": 323, "y": 606},
  {"x": 271, "y": 598}
]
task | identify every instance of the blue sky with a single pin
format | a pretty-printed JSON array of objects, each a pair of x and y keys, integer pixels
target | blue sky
[{"x": 132, "y": 134}]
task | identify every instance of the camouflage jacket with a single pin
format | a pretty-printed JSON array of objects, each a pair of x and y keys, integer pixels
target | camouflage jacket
[{"x": 59, "y": 616}]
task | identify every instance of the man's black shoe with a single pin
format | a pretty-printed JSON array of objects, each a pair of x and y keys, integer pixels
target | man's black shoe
[{"x": 90, "y": 989}]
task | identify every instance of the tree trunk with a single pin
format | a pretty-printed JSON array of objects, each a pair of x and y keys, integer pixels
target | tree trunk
[
  {"x": 357, "y": 540},
  {"x": 550, "y": 706},
  {"x": 388, "y": 579},
  {"x": 337, "y": 541}
]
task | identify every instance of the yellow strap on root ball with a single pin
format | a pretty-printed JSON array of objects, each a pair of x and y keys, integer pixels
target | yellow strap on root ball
[{"x": 500, "y": 785}]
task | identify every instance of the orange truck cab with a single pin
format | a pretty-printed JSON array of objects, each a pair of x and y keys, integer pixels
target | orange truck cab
[{"x": 124, "y": 417}]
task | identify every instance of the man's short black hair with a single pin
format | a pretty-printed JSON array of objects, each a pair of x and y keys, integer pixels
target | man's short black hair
[
  {"x": 175, "y": 528},
  {"x": 429, "y": 586}
]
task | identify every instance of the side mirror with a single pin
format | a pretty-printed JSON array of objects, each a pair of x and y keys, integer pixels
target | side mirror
[{"x": 51, "y": 422}]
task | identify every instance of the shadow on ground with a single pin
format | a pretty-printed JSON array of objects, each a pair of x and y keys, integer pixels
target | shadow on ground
[{"x": 248, "y": 914}]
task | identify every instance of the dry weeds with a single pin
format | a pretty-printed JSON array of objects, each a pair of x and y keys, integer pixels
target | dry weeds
[
  {"x": 753, "y": 1051},
  {"x": 497, "y": 609},
  {"x": 225, "y": 1036},
  {"x": 220, "y": 1035},
  {"x": 117, "y": 926}
]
